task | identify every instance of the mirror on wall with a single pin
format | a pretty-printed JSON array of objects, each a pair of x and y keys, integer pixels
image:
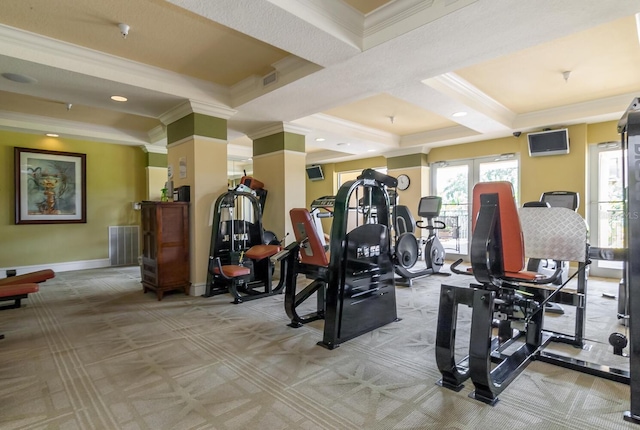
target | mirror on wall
[{"x": 236, "y": 168}]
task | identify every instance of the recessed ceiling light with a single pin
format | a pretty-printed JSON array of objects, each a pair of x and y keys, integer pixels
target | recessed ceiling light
[
  {"x": 459, "y": 114},
  {"x": 23, "y": 79},
  {"x": 118, "y": 98},
  {"x": 371, "y": 150},
  {"x": 52, "y": 135},
  {"x": 320, "y": 139}
]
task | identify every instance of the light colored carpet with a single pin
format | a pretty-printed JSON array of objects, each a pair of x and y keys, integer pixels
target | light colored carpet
[{"x": 91, "y": 351}]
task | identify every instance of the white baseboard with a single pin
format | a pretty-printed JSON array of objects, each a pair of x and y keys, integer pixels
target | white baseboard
[
  {"x": 197, "y": 290},
  {"x": 59, "y": 267}
]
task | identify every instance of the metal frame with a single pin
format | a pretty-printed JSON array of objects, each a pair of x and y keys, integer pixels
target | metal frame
[
  {"x": 495, "y": 300},
  {"x": 360, "y": 294},
  {"x": 629, "y": 127}
]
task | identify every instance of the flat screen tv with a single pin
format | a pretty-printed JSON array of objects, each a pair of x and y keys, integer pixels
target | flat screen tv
[
  {"x": 550, "y": 142},
  {"x": 314, "y": 173}
]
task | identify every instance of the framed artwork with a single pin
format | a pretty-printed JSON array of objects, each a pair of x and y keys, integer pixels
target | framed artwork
[{"x": 50, "y": 187}]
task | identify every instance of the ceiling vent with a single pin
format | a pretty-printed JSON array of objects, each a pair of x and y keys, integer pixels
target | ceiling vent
[{"x": 269, "y": 79}]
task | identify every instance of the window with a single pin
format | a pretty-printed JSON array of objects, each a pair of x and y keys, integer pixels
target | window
[
  {"x": 454, "y": 181},
  {"x": 605, "y": 209}
]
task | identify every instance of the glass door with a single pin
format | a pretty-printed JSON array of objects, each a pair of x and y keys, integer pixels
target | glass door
[
  {"x": 605, "y": 210},
  {"x": 454, "y": 181},
  {"x": 452, "y": 185}
]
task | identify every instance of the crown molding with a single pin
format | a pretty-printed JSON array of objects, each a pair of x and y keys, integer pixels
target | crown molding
[
  {"x": 438, "y": 136},
  {"x": 154, "y": 149},
  {"x": 348, "y": 129},
  {"x": 27, "y": 123},
  {"x": 334, "y": 17},
  {"x": 158, "y": 135},
  {"x": 459, "y": 89},
  {"x": 44, "y": 50},
  {"x": 195, "y": 106},
  {"x": 400, "y": 17},
  {"x": 280, "y": 127},
  {"x": 605, "y": 109}
]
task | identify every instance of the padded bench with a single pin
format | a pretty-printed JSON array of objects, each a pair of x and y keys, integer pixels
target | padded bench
[
  {"x": 16, "y": 292},
  {"x": 238, "y": 277},
  {"x": 19, "y": 287}
]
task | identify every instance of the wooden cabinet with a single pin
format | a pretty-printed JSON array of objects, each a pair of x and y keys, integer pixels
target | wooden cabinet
[{"x": 165, "y": 243}]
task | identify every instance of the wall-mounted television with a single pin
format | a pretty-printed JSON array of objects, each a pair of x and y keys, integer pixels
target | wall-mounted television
[
  {"x": 314, "y": 173},
  {"x": 550, "y": 142}
]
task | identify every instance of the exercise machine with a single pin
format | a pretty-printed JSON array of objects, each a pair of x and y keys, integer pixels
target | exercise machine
[
  {"x": 240, "y": 253},
  {"x": 629, "y": 129},
  {"x": 357, "y": 278},
  {"x": 555, "y": 199},
  {"x": 407, "y": 245},
  {"x": 310, "y": 258},
  {"x": 506, "y": 294},
  {"x": 307, "y": 256}
]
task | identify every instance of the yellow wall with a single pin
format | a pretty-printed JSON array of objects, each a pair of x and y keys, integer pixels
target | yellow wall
[
  {"x": 283, "y": 174},
  {"x": 205, "y": 159},
  {"x": 115, "y": 178},
  {"x": 156, "y": 179},
  {"x": 539, "y": 174},
  {"x": 329, "y": 185}
]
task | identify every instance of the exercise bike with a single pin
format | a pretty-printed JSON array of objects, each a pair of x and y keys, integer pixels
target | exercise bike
[{"x": 407, "y": 245}]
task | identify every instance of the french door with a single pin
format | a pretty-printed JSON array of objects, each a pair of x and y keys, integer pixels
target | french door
[
  {"x": 453, "y": 182},
  {"x": 605, "y": 211}
]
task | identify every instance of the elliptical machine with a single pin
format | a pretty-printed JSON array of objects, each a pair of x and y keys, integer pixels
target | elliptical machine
[{"x": 407, "y": 249}]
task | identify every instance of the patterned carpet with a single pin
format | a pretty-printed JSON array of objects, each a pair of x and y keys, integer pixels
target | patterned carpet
[{"x": 91, "y": 351}]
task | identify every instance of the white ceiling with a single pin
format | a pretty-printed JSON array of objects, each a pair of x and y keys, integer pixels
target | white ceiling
[{"x": 370, "y": 77}]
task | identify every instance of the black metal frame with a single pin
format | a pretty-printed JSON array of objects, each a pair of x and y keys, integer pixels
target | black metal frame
[
  {"x": 497, "y": 296},
  {"x": 360, "y": 294},
  {"x": 226, "y": 249},
  {"x": 629, "y": 128},
  {"x": 293, "y": 299}
]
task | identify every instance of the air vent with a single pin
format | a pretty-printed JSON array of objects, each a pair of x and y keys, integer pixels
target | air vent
[
  {"x": 123, "y": 245},
  {"x": 269, "y": 79}
]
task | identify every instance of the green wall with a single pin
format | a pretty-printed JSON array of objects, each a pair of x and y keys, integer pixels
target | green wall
[{"x": 115, "y": 179}]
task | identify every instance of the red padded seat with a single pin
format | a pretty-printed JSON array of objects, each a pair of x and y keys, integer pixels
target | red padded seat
[
  {"x": 233, "y": 271},
  {"x": 18, "y": 289},
  {"x": 513, "y": 239},
  {"x": 258, "y": 252},
  {"x": 312, "y": 252},
  {"x": 29, "y": 278}
]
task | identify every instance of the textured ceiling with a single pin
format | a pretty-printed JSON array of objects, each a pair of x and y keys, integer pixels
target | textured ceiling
[{"x": 343, "y": 69}]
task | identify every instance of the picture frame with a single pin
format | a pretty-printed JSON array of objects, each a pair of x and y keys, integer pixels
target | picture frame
[{"x": 50, "y": 187}]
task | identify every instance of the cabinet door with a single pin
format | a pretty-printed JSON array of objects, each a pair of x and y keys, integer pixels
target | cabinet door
[
  {"x": 173, "y": 244},
  {"x": 149, "y": 227}
]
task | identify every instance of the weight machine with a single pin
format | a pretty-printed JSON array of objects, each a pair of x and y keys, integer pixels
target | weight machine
[
  {"x": 512, "y": 300},
  {"x": 629, "y": 129},
  {"x": 239, "y": 256},
  {"x": 494, "y": 297},
  {"x": 357, "y": 281}
]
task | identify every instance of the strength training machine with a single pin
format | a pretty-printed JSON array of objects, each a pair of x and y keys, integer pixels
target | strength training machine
[
  {"x": 241, "y": 250},
  {"x": 310, "y": 258},
  {"x": 357, "y": 279},
  {"x": 629, "y": 129},
  {"x": 507, "y": 296}
]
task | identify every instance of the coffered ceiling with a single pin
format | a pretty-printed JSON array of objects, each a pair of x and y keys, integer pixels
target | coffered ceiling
[{"x": 370, "y": 77}]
